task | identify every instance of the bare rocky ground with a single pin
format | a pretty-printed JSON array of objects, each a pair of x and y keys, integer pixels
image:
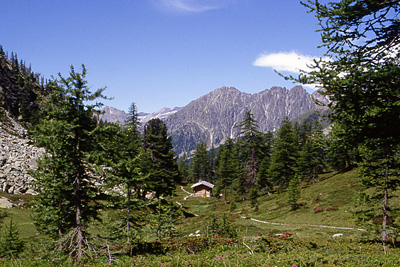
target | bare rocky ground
[{"x": 18, "y": 155}]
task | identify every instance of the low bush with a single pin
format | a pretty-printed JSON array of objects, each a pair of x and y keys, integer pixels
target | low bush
[{"x": 318, "y": 209}]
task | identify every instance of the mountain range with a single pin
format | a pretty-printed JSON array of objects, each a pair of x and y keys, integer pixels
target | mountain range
[{"x": 213, "y": 117}]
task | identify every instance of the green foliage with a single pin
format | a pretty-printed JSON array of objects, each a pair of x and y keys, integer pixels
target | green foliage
[
  {"x": 164, "y": 220},
  {"x": 226, "y": 167},
  {"x": 21, "y": 90},
  {"x": 10, "y": 243},
  {"x": 162, "y": 164},
  {"x": 250, "y": 143},
  {"x": 66, "y": 190},
  {"x": 340, "y": 154},
  {"x": 253, "y": 195},
  {"x": 283, "y": 164},
  {"x": 200, "y": 167},
  {"x": 311, "y": 159},
  {"x": 294, "y": 192},
  {"x": 222, "y": 226},
  {"x": 183, "y": 167},
  {"x": 361, "y": 80}
]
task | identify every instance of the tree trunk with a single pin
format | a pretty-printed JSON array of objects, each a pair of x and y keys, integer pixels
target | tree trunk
[
  {"x": 79, "y": 227},
  {"x": 127, "y": 221},
  {"x": 225, "y": 194},
  {"x": 385, "y": 204}
]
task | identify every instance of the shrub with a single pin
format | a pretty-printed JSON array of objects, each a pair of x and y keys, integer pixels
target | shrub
[
  {"x": 222, "y": 227},
  {"x": 318, "y": 209},
  {"x": 273, "y": 243}
]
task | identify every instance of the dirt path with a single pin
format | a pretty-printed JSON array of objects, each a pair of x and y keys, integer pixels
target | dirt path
[
  {"x": 190, "y": 194},
  {"x": 312, "y": 225},
  {"x": 274, "y": 223}
]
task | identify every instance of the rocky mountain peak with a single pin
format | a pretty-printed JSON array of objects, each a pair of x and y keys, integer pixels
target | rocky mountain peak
[{"x": 213, "y": 117}]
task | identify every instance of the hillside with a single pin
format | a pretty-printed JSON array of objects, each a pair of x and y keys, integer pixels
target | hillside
[
  {"x": 19, "y": 89},
  {"x": 334, "y": 194},
  {"x": 272, "y": 235},
  {"x": 334, "y": 190}
]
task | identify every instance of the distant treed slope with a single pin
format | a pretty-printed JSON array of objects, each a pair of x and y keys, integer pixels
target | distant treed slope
[
  {"x": 214, "y": 117},
  {"x": 19, "y": 88}
]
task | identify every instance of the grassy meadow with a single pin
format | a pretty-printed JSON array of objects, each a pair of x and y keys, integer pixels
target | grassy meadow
[{"x": 269, "y": 235}]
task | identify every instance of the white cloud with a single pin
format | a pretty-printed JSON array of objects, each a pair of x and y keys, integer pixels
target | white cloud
[
  {"x": 191, "y": 6},
  {"x": 285, "y": 61},
  {"x": 288, "y": 61}
]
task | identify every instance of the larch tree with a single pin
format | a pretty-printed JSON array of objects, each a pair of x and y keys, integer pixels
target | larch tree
[
  {"x": 226, "y": 166},
  {"x": 163, "y": 167},
  {"x": 249, "y": 138},
  {"x": 66, "y": 190},
  {"x": 283, "y": 159},
  {"x": 200, "y": 167},
  {"x": 361, "y": 78},
  {"x": 126, "y": 161}
]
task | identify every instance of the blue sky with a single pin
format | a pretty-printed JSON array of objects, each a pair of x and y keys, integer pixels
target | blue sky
[{"x": 162, "y": 53}]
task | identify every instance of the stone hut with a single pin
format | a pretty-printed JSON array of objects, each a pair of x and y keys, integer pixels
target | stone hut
[{"x": 202, "y": 189}]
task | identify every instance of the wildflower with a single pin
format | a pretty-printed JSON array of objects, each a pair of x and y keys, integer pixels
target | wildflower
[
  {"x": 294, "y": 265},
  {"x": 53, "y": 260}
]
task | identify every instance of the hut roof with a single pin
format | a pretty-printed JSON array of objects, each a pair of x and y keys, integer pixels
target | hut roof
[{"x": 210, "y": 185}]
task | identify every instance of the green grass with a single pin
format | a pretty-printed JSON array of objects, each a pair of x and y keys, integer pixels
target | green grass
[
  {"x": 311, "y": 244},
  {"x": 334, "y": 190}
]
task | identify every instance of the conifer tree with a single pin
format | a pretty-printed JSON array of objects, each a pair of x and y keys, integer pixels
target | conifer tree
[
  {"x": 127, "y": 162},
  {"x": 66, "y": 191},
  {"x": 264, "y": 179},
  {"x": 283, "y": 163},
  {"x": 250, "y": 142},
  {"x": 227, "y": 165},
  {"x": 361, "y": 79},
  {"x": 183, "y": 167},
  {"x": 10, "y": 243},
  {"x": 200, "y": 167},
  {"x": 163, "y": 170},
  {"x": 311, "y": 160}
]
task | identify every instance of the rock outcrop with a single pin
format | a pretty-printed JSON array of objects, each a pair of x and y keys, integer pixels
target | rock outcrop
[{"x": 18, "y": 155}]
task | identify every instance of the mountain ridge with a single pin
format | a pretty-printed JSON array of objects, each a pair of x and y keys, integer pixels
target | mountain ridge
[{"x": 213, "y": 118}]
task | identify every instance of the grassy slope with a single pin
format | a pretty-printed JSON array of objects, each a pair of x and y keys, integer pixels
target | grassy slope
[{"x": 334, "y": 190}]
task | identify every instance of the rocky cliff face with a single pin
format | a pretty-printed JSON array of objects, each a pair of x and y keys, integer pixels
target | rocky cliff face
[
  {"x": 113, "y": 115},
  {"x": 214, "y": 117},
  {"x": 18, "y": 155}
]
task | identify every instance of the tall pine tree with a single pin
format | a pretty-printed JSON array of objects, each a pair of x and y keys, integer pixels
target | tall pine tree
[
  {"x": 163, "y": 170},
  {"x": 66, "y": 190},
  {"x": 283, "y": 159},
  {"x": 200, "y": 167}
]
